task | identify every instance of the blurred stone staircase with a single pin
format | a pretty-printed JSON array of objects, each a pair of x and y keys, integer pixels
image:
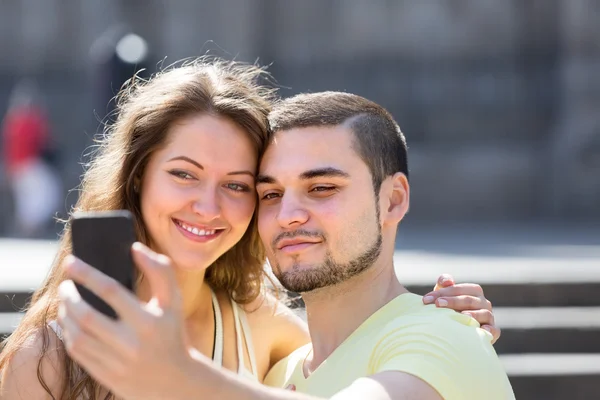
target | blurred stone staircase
[
  {"x": 547, "y": 305},
  {"x": 550, "y": 343}
]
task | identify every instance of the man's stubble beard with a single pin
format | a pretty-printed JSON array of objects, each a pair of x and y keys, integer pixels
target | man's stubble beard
[{"x": 330, "y": 272}]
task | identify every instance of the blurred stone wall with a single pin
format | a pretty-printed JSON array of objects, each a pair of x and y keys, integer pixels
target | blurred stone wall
[{"x": 498, "y": 100}]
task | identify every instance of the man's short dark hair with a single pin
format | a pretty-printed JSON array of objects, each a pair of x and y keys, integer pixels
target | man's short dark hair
[{"x": 378, "y": 138}]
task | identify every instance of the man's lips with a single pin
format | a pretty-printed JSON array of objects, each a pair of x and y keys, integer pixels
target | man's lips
[{"x": 296, "y": 244}]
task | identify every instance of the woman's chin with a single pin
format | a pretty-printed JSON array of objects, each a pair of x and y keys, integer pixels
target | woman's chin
[{"x": 189, "y": 264}]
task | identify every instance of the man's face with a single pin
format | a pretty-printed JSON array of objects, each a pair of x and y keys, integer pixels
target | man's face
[{"x": 318, "y": 213}]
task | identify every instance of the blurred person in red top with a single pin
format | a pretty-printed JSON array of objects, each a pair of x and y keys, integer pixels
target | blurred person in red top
[{"x": 35, "y": 185}]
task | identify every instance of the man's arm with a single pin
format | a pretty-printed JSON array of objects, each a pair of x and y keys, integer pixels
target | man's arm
[
  {"x": 143, "y": 354},
  {"x": 387, "y": 386},
  {"x": 225, "y": 385}
]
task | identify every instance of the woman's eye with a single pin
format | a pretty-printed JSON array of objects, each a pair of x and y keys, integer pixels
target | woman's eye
[
  {"x": 181, "y": 174},
  {"x": 238, "y": 187}
]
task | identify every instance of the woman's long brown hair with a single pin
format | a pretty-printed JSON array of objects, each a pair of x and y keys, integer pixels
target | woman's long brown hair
[{"x": 146, "y": 109}]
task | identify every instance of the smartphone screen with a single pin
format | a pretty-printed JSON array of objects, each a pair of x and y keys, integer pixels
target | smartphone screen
[{"x": 103, "y": 240}]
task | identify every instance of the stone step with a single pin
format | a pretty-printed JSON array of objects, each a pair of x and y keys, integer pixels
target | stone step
[
  {"x": 8, "y": 322},
  {"x": 556, "y": 387},
  {"x": 548, "y": 330},
  {"x": 13, "y": 302},
  {"x": 553, "y": 376},
  {"x": 535, "y": 294},
  {"x": 549, "y": 340}
]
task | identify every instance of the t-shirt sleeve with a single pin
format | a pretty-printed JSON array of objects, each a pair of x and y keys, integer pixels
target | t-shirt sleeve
[{"x": 457, "y": 360}]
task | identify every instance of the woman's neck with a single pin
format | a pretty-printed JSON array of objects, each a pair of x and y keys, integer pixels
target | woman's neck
[{"x": 195, "y": 293}]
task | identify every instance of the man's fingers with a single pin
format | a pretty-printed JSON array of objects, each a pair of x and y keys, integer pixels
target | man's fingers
[
  {"x": 159, "y": 271},
  {"x": 125, "y": 304}
]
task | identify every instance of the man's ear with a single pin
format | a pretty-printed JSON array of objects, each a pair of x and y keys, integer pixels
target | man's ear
[{"x": 398, "y": 198}]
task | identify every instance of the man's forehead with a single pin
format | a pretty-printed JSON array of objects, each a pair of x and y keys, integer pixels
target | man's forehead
[
  {"x": 298, "y": 153},
  {"x": 314, "y": 142}
]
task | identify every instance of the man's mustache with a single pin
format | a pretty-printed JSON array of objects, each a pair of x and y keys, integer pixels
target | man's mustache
[{"x": 296, "y": 233}]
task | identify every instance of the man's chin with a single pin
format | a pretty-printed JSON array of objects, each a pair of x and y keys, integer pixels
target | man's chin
[{"x": 301, "y": 280}]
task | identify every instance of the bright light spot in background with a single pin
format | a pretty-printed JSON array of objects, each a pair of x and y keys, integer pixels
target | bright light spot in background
[{"x": 132, "y": 49}]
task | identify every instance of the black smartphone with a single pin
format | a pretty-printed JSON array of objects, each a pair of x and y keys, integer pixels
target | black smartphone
[{"x": 103, "y": 239}]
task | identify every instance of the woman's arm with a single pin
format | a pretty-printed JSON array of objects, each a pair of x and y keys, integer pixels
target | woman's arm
[{"x": 19, "y": 379}]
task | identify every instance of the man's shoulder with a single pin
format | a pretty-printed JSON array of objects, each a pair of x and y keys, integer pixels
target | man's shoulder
[
  {"x": 442, "y": 347},
  {"x": 411, "y": 315},
  {"x": 428, "y": 330}
]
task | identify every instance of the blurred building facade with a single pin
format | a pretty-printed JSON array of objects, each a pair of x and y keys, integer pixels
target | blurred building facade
[{"x": 499, "y": 100}]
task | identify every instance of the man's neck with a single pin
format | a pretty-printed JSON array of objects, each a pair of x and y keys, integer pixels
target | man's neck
[{"x": 335, "y": 312}]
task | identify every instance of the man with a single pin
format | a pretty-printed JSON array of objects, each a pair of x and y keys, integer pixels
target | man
[{"x": 333, "y": 187}]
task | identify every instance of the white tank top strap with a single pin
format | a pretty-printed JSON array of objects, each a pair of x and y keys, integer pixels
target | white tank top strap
[
  {"x": 248, "y": 337},
  {"x": 57, "y": 329},
  {"x": 241, "y": 328},
  {"x": 218, "y": 349},
  {"x": 238, "y": 337}
]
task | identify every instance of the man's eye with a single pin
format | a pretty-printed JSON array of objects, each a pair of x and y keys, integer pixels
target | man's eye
[
  {"x": 270, "y": 196},
  {"x": 322, "y": 188}
]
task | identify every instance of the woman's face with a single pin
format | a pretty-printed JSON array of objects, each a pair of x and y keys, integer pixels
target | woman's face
[{"x": 197, "y": 193}]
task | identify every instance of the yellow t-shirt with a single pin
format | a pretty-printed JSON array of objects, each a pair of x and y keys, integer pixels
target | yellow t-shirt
[{"x": 444, "y": 348}]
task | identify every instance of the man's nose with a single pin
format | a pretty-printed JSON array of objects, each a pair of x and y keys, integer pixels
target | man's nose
[{"x": 291, "y": 211}]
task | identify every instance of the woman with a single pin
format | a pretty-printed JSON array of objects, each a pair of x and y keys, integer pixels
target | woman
[{"x": 182, "y": 157}]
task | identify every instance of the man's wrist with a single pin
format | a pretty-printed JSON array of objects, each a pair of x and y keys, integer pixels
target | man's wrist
[
  {"x": 192, "y": 379},
  {"x": 200, "y": 376}
]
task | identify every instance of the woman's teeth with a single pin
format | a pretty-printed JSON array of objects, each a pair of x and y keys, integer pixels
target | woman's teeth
[{"x": 196, "y": 231}]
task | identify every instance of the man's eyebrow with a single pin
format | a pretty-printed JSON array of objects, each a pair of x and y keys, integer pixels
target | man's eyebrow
[
  {"x": 327, "y": 172},
  {"x": 264, "y": 179}
]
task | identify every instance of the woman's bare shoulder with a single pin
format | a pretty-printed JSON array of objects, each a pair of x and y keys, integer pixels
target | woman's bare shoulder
[
  {"x": 19, "y": 378},
  {"x": 269, "y": 307},
  {"x": 270, "y": 317}
]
